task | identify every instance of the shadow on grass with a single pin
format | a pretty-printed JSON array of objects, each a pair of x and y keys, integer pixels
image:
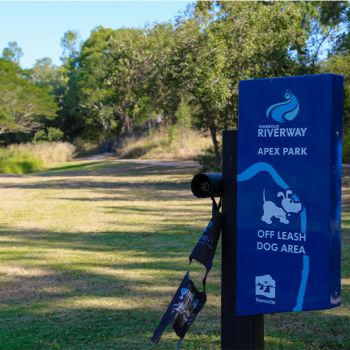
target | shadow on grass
[
  {"x": 115, "y": 168},
  {"x": 174, "y": 241},
  {"x": 123, "y": 298},
  {"x": 76, "y": 166},
  {"x": 152, "y": 186},
  {"x": 148, "y": 189}
]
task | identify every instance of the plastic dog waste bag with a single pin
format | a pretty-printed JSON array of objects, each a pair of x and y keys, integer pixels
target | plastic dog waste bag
[
  {"x": 183, "y": 309},
  {"x": 205, "y": 248}
]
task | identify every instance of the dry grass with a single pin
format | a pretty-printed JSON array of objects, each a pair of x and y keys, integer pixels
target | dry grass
[
  {"x": 48, "y": 152},
  {"x": 180, "y": 145}
]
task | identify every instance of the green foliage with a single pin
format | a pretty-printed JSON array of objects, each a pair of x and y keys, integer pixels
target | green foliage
[
  {"x": 45, "y": 74},
  {"x": 54, "y": 134},
  {"x": 12, "y": 53},
  {"x": 143, "y": 111},
  {"x": 19, "y": 162},
  {"x": 40, "y": 135},
  {"x": 70, "y": 43},
  {"x": 208, "y": 161},
  {"x": 24, "y": 107},
  {"x": 341, "y": 64},
  {"x": 219, "y": 45},
  {"x": 173, "y": 133},
  {"x": 183, "y": 116},
  {"x": 51, "y": 134}
]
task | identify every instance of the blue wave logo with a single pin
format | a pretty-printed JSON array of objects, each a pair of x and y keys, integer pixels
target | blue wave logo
[{"x": 284, "y": 111}]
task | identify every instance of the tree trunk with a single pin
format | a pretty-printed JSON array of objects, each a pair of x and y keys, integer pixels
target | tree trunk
[
  {"x": 127, "y": 124},
  {"x": 213, "y": 134}
]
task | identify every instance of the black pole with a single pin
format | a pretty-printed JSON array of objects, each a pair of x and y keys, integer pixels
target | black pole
[{"x": 246, "y": 332}]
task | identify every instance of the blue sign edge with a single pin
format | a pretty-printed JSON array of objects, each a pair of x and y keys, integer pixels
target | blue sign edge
[{"x": 337, "y": 141}]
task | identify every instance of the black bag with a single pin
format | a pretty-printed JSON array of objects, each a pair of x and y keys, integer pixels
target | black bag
[
  {"x": 183, "y": 309},
  {"x": 204, "y": 250},
  {"x": 188, "y": 301}
]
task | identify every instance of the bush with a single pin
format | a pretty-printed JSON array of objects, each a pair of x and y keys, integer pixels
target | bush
[
  {"x": 54, "y": 134},
  {"x": 165, "y": 145},
  {"x": 19, "y": 162},
  {"x": 173, "y": 134},
  {"x": 48, "y": 152},
  {"x": 27, "y": 158},
  {"x": 85, "y": 148},
  {"x": 40, "y": 135},
  {"x": 51, "y": 135},
  {"x": 208, "y": 161}
]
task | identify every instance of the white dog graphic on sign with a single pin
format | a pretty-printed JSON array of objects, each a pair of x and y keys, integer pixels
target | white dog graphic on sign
[{"x": 288, "y": 206}]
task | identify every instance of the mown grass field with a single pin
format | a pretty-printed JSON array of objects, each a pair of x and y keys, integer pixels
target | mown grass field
[{"x": 92, "y": 252}]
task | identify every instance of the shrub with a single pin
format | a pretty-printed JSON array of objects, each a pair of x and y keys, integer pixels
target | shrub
[
  {"x": 54, "y": 134},
  {"x": 173, "y": 134},
  {"x": 165, "y": 145},
  {"x": 19, "y": 162},
  {"x": 51, "y": 135},
  {"x": 27, "y": 158},
  {"x": 84, "y": 148},
  {"x": 40, "y": 135},
  {"x": 48, "y": 152},
  {"x": 208, "y": 162}
]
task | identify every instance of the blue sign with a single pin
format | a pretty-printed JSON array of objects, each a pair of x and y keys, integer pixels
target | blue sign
[{"x": 288, "y": 202}]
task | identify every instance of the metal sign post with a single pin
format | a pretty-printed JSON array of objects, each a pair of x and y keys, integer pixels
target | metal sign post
[{"x": 236, "y": 332}]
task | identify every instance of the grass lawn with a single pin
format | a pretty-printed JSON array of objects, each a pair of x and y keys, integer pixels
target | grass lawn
[{"x": 92, "y": 252}]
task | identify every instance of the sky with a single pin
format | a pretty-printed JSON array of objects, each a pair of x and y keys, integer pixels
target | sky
[{"x": 39, "y": 26}]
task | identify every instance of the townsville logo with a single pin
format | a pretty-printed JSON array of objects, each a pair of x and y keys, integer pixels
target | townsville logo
[{"x": 284, "y": 111}]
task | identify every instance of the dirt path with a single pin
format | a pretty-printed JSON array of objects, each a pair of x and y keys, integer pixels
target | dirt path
[{"x": 161, "y": 162}]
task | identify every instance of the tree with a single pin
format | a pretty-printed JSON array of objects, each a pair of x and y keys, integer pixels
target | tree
[
  {"x": 202, "y": 57},
  {"x": 70, "y": 107},
  {"x": 88, "y": 102},
  {"x": 12, "y": 53},
  {"x": 70, "y": 43},
  {"x": 224, "y": 42},
  {"x": 332, "y": 18},
  {"x": 221, "y": 43},
  {"x": 116, "y": 83},
  {"x": 24, "y": 107},
  {"x": 120, "y": 79},
  {"x": 46, "y": 74}
]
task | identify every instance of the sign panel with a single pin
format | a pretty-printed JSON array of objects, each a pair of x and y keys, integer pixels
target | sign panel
[{"x": 288, "y": 202}]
